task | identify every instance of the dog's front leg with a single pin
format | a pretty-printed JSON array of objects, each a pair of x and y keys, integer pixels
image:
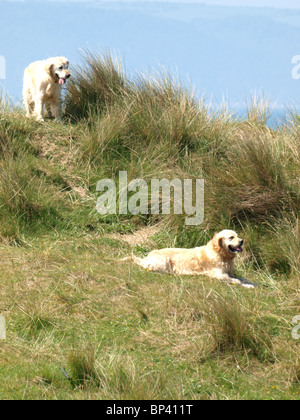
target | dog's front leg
[
  {"x": 38, "y": 107},
  {"x": 244, "y": 282},
  {"x": 228, "y": 278},
  {"x": 28, "y": 107},
  {"x": 56, "y": 110}
]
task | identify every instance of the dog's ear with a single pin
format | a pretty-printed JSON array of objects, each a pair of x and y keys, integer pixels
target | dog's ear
[
  {"x": 217, "y": 242},
  {"x": 49, "y": 69}
]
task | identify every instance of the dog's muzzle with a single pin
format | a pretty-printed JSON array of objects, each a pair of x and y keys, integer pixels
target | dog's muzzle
[
  {"x": 62, "y": 80},
  {"x": 236, "y": 249}
]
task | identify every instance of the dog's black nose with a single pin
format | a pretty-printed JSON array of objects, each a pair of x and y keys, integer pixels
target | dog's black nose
[
  {"x": 68, "y": 75},
  {"x": 242, "y": 242}
]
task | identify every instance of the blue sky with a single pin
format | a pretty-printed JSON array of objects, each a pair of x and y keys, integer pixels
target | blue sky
[
  {"x": 283, "y": 4},
  {"x": 225, "y": 48}
]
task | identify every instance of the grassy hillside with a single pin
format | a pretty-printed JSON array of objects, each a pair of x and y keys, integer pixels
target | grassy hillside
[{"x": 120, "y": 332}]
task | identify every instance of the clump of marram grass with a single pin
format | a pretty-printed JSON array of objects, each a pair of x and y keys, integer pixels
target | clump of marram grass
[
  {"x": 167, "y": 116},
  {"x": 115, "y": 375},
  {"x": 144, "y": 114},
  {"x": 163, "y": 111},
  {"x": 106, "y": 137},
  {"x": 82, "y": 367},
  {"x": 24, "y": 196},
  {"x": 15, "y": 132},
  {"x": 234, "y": 329},
  {"x": 36, "y": 316},
  {"x": 254, "y": 181},
  {"x": 95, "y": 86},
  {"x": 258, "y": 110},
  {"x": 5, "y": 103},
  {"x": 296, "y": 372},
  {"x": 284, "y": 250}
]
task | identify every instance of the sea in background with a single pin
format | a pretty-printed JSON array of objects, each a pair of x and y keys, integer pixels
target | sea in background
[{"x": 225, "y": 52}]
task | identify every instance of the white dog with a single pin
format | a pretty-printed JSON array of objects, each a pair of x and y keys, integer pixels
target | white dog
[
  {"x": 42, "y": 86},
  {"x": 215, "y": 260}
]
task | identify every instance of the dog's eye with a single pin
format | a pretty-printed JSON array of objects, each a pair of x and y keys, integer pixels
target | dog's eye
[
  {"x": 231, "y": 238},
  {"x": 60, "y": 68}
]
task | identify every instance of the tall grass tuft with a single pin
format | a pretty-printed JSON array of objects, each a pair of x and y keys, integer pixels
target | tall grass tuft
[
  {"x": 82, "y": 367},
  {"x": 233, "y": 329},
  {"x": 258, "y": 110},
  {"x": 253, "y": 179},
  {"x": 284, "y": 249},
  {"x": 28, "y": 203},
  {"x": 95, "y": 86}
]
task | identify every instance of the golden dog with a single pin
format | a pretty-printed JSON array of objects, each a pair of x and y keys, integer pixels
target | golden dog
[
  {"x": 42, "y": 86},
  {"x": 215, "y": 260}
]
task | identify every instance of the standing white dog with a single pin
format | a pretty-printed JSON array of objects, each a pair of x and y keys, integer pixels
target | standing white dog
[{"x": 42, "y": 86}]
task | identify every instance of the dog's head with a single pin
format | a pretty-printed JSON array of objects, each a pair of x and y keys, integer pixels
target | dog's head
[
  {"x": 58, "y": 67},
  {"x": 227, "y": 243}
]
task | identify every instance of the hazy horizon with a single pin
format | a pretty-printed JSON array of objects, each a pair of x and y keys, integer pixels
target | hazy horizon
[{"x": 225, "y": 52}]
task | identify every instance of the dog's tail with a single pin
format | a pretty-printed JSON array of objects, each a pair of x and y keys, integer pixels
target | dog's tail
[
  {"x": 139, "y": 261},
  {"x": 127, "y": 259}
]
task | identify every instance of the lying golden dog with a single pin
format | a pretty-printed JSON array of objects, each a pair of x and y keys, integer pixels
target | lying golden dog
[
  {"x": 215, "y": 260},
  {"x": 42, "y": 86}
]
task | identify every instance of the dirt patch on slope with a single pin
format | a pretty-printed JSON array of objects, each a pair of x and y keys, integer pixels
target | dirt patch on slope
[{"x": 139, "y": 237}]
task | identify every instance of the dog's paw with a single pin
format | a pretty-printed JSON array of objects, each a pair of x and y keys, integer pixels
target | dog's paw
[{"x": 249, "y": 286}]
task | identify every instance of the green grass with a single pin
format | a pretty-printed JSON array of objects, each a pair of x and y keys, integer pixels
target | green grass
[{"x": 81, "y": 324}]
